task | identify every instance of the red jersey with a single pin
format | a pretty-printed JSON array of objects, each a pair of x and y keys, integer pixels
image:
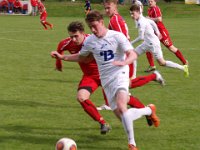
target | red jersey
[
  {"x": 117, "y": 23},
  {"x": 4, "y": 3},
  {"x": 17, "y": 4},
  {"x": 154, "y": 12},
  {"x": 41, "y": 8},
  {"x": 88, "y": 69},
  {"x": 34, "y": 3}
]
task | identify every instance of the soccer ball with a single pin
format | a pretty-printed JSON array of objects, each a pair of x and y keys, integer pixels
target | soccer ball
[{"x": 66, "y": 144}]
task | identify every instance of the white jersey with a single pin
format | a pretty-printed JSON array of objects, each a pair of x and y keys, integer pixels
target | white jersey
[
  {"x": 105, "y": 50},
  {"x": 146, "y": 31}
]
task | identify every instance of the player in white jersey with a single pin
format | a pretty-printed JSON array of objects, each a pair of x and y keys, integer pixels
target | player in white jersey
[
  {"x": 112, "y": 52},
  {"x": 151, "y": 41}
]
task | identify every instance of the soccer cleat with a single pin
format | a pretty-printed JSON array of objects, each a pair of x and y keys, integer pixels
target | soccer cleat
[
  {"x": 104, "y": 107},
  {"x": 105, "y": 128},
  {"x": 186, "y": 70},
  {"x": 159, "y": 78},
  {"x": 51, "y": 26},
  {"x": 45, "y": 29},
  {"x": 149, "y": 121},
  {"x": 150, "y": 68},
  {"x": 132, "y": 147},
  {"x": 153, "y": 116}
]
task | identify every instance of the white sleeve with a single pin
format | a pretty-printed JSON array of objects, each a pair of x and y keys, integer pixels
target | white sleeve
[
  {"x": 85, "y": 49},
  {"x": 141, "y": 30},
  {"x": 154, "y": 26}
]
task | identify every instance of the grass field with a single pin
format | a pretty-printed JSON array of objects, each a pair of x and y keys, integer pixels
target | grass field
[{"x": 38, "y": 104}]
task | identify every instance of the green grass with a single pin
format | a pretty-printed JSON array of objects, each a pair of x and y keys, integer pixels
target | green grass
[{"x": 38, "y": 105}]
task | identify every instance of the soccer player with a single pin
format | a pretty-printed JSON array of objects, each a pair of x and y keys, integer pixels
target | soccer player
[
  {"x": 112, "y": 52},
  {"x": 34, "y": 4},
  {"x": 155, "y": 14},
  {"x": 117, "y": 23},
  {"x": 43, "y": 16},
  {"x": 90, "y": 80},
  {"x": 18, "y": 6},
  {"x": 151, "y": 41},
  {"x": 87, "y": 7}
]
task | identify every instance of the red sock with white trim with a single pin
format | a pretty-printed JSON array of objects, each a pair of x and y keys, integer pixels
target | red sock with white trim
[
  {"x": 142, "y": 80},
  {"x": 91, "y": 110},
  {"x": 180, "y": 56}
]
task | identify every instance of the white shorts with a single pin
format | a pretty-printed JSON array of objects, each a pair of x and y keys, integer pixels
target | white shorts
[
  {"x": 155, "y": 49},
  {"x": 119, "y": 82}
]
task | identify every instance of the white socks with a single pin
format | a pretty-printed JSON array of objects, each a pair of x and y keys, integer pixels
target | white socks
[
  {"x": 129, "y": 116},
  {"x": 174, "y": 65}
]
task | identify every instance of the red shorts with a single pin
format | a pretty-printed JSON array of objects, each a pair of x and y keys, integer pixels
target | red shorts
[
  {"x": 89, "y": 83},
  {"x": 43, "y": 16},
  {"x": 166, "y": 40}
]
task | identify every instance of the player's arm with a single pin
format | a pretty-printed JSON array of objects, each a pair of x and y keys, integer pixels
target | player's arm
[
  {"x": 140, "y": 37},
  {"x": 157, "y": 19},
  {"x": 130, "y": 57},
  {"x": 155, "y": 28},
  {"x": 72, "y": 57}
]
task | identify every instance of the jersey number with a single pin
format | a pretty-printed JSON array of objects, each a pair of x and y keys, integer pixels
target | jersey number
[{"x": 108, "y": 55}]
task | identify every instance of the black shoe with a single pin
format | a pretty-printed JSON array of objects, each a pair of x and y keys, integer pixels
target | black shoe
[
  {"x": 149, "y": 121},
  {"x": 150, "y": 68},
  {"x": 105, "y": 128}
]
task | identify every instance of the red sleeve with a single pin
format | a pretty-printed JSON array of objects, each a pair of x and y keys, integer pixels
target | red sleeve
[
  {"x": 62, "y": 46},
  {"x": 115, "y": 24},
  {"x": 157, "y": 12}
]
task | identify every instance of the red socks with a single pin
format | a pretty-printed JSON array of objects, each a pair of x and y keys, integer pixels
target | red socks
[
  {"x": 91, "y": 110},
  {"x": 150, "y": 59},
  {"x": 135, "y": 102},
  {"x": 180, "y": 56},
  {"x": 142, "y": 80}
]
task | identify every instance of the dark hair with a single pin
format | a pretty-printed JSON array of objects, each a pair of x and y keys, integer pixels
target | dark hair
[
  {"x": 75, "y": 26},
  {"x": 135, "y": 7},
  {"x": 93, "y": 16}
]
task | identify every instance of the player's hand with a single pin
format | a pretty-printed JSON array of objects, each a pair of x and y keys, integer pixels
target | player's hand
[
  {"x": 119, "y": 63},
  {"x": 55, "y": 54}
]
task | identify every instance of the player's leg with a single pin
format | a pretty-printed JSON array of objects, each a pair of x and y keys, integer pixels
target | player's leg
[
  {"x": 45, "y": 21},
  {"x": 42, "y": 21},
  {"x": 168, "y": 43},
  {"x": 152, "y": 66},
  {"x": 142, "y": 80},
  {"x": 86, "y": 87}
]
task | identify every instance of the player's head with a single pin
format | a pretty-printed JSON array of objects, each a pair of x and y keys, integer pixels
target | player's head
[
  {"x": 110, "y": 7},
  {"x": 76, "y": 32},
  {"x": 135, "y": 11},
  {"x": 152, "y": 3},
  {"x": 95, "y": 22}
]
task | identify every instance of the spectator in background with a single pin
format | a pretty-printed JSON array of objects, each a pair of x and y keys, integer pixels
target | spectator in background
[
  {"x": 18, "y": 6},
  {"x": 4, "y": 6},
  {"x": 87, "y": 7},
  {"x": 34, "y": 4},
  {"x": 43, "y": 15},
  {"x": 11, "y": 6}
]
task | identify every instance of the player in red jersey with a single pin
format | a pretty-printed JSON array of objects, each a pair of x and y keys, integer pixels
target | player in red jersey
[
  {"x": 90, "y": 80},
  {"x": 155, "y": 14},
  {"x": 43, "y": 15}
]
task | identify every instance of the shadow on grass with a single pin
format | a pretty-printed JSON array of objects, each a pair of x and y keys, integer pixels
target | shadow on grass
[
  {"x": 28, "y": 103},
  {"x": 49, "y": 136}
]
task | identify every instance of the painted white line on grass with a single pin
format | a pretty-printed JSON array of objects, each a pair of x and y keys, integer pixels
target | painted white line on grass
[{"x": 24, "y": 41}]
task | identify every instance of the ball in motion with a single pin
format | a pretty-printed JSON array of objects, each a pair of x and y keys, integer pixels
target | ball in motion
[{"x": 66, "y": 144}]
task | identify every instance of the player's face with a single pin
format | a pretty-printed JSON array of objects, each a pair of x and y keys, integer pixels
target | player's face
[
  {"x": 77, "y": 37},
  {"x": 110, "y": 9},
  {"x": 135, "y": 15},
  {"x": 152, "y": 3},
  {"x": 97, "y": 28}
]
